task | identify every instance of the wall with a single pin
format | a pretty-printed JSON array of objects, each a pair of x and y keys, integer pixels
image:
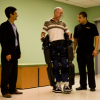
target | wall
[
  {"x": 93, "y": 12},
  {"x": 32, "y": 14}
]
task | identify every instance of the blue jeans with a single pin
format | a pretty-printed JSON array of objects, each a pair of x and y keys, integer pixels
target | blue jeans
[{"x": 55, "y": 52}]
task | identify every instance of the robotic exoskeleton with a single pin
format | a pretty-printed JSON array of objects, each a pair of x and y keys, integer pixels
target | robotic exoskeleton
[{"x": 69, "y": 57}]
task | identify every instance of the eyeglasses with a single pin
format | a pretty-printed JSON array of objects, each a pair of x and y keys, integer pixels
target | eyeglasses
[{"x": 60, "y": 13}]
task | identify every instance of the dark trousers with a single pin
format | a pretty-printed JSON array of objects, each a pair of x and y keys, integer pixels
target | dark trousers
[
  {"x": 55, "y": 52},
  {"x": 9, "y": 74},
  {"x": 83, "y": 61}
]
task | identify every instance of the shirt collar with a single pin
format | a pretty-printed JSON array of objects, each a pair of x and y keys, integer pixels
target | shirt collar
[
  {"x": 12, "y": 24},
  {"x": 85, "y": 24},
  {"x": 54, "y": 20}
]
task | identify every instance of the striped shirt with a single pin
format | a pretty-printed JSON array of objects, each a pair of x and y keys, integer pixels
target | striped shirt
[{"x": 55, "y": 30}]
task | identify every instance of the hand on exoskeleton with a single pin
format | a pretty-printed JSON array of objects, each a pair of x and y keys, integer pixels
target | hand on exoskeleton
[{"x": 41, "y": 39}]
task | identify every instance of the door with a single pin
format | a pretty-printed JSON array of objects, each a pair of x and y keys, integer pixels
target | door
[{"x": 97, "y": 60}]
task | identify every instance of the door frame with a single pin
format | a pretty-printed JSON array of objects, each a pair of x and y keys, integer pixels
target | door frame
[{"x": 96, "y": 59}]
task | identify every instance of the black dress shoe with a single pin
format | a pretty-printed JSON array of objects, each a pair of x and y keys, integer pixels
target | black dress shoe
[
  {"x": 7, "y": 95},
  {"x": 92, "y": 89},
  {"x": 17, "y": 92},
  {"x": 81, "y": 88}
]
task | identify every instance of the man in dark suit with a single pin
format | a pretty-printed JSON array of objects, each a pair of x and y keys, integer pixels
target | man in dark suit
[{"x": 10, "y": 53}]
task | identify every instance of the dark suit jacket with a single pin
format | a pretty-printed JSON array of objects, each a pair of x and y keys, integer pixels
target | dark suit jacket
[{"x": 7, "y": 38}]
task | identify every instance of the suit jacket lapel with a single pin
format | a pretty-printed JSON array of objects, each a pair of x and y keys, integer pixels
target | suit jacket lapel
[{"x": 10, "y": 26}]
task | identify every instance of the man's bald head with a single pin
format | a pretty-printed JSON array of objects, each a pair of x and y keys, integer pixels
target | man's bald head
[
  {"x": 57, "y": 9},
  {"x": 58, "y": 12}
]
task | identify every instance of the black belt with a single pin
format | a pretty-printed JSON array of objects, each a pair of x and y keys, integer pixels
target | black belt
[{"x": 57, "y": 43}]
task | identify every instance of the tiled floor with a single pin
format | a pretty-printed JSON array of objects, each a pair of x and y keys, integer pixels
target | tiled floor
[{"x": 45, "y": 93}]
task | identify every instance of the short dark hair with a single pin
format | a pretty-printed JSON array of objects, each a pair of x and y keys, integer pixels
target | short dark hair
[
  {"x": 84, "y": 14},
  {"x": 9, "y": 10}
]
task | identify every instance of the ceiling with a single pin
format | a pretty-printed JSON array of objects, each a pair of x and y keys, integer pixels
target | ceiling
[{"x": 82, "y": 3}]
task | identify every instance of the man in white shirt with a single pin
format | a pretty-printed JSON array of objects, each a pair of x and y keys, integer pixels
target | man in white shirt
[{"x": 56, "y": 30}]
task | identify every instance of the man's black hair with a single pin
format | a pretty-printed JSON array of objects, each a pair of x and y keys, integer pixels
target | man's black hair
[
  {"x": 84, "y": 14},
  {"x": 9, "y": 10}
]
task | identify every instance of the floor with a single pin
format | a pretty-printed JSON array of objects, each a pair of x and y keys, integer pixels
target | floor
[{"x": 45, "y": 93}]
